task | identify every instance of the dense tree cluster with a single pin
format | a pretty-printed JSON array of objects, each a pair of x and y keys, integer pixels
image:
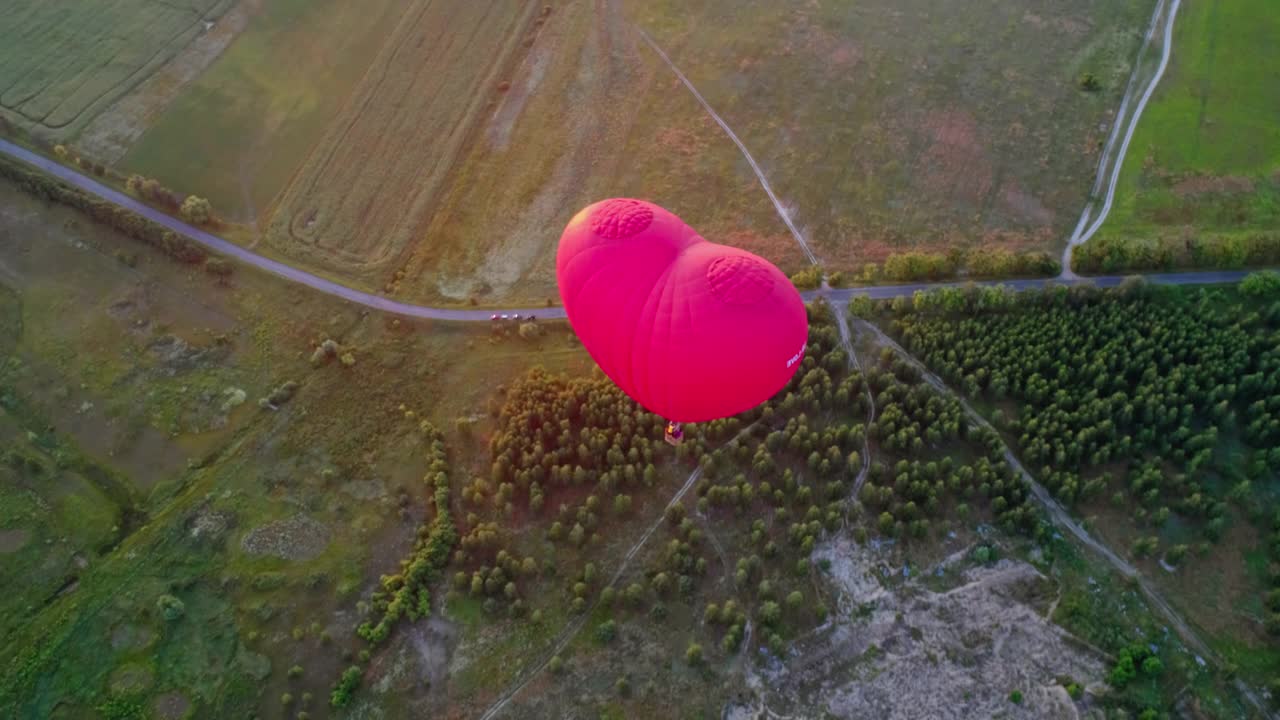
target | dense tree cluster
[
  {"x": 1128, "y": 395},
  {"x": 557, "y": 435},
  {"x": 1112, "y": 254},
  {"x": 1128, "y": 379},
  {"x": 916, "y": 425}
]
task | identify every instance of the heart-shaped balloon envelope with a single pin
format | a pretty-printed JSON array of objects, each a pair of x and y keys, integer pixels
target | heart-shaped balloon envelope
[{"x": 691, "y": 330}]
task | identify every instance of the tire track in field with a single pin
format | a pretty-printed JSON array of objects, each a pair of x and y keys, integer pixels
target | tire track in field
[
  {"x": 755, "y": 167},
  {"x": 837, "y": 308}
]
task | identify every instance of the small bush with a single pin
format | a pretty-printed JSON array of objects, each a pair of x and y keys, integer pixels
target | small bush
[
  {"x": 693, "y": 655},
  {"x": 606, "y": 632},
  {"x": 1261, "y": 284},
  {"x": 171, "y": 608}
]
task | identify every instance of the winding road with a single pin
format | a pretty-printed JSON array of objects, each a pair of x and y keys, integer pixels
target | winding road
[
  {"x": 248, "y": 257},
  {"x": 837, "y": 296}
]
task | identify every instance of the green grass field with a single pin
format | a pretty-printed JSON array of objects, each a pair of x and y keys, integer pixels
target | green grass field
[
  {"x": 62, "y": 63},
  {"x": 238, "y": 133},
  {"x": 1207, "y": 151}
]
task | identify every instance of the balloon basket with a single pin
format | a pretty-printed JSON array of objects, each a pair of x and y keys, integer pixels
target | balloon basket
[{"x": 674, "y": 440}]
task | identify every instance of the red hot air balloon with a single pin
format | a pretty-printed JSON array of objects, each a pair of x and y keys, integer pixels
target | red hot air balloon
[{"x": 691, "y": 330}]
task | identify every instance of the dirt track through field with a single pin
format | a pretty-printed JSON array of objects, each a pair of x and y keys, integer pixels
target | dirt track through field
[
  {"x": 1081, "y": 236},
  {"x": 755, "y": 167}
]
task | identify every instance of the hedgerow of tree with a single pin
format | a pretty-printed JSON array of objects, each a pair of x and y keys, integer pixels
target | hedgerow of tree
[{"x": 408, "y": 593}]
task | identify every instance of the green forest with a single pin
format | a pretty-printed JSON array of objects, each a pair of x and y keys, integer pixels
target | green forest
[{"x": 1154, "y": 411}]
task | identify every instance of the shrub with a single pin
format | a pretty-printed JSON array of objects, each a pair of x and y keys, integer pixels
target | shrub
[
  {"x": 606, "y": 632},
  {"x": 693, "y": 655},
  {"x": 347, "y": 685},
  {"x": 170, "y": 607},
  {"x": 1261, "y": 284},
  {"x": 807, "y": 279},
  {"x": 218, "y": 268},
  {"x": 196, "y": 210},
  {"x": 770, "y": 613}
]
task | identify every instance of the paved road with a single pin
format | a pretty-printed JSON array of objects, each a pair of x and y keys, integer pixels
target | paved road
[
  {"x": 377, "y": 302},
  {"x": 883, "y": 292}
]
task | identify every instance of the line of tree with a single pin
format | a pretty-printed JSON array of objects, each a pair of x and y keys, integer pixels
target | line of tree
[
  {"x": 915, "y": 266},
  {"x": 977, "y": 263},
  {"x": 408, "y": 592},
  {"x": 1115, "y": 254},
  {"x": 105, "y": 213}
]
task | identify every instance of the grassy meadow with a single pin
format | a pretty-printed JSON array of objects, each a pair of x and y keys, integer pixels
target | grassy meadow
[
  {"x": 140, "y": 467},
  {"x": 1206, "y": 155},
  {"x": 883, "y": 128}
]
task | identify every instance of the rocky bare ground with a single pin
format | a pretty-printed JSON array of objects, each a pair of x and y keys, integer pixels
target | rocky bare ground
[
  {"x": 295, "y": 538},
  {"x": 911, "y": 652}
]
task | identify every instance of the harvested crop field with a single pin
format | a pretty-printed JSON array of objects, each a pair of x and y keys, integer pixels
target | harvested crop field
[
  {"x": 244, "y": 126},
  {"x": 367, "y": 189},
  {"x": 62, "y": 63}
]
